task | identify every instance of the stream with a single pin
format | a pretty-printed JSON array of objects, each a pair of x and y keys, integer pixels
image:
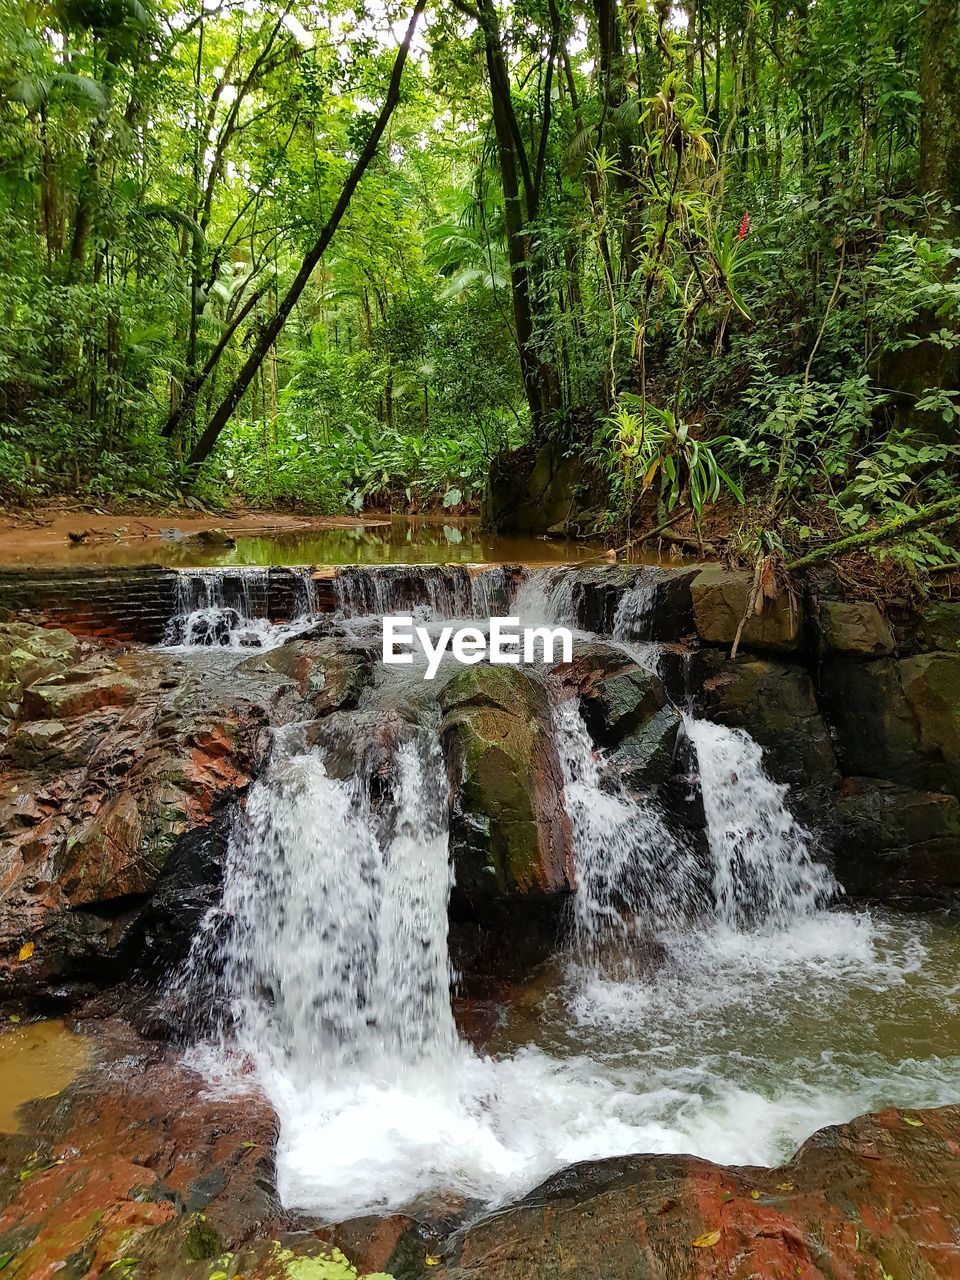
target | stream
[{"x": 725, "y": 1007}]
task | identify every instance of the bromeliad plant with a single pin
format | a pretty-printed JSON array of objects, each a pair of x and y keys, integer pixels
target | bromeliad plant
[{"x": 649, "y": 444}]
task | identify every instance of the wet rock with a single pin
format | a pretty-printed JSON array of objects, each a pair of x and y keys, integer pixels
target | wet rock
[
  {"x": 508, "y": 830},
  {"x": 139, "y": 1163},
  {"x": 776, "y": 704},
  {"x": 642, "y": 602},
  {"x": 720, "y": 599},
  {"x": 95, "y": 805},
  {"x": 897, "y": 844},
  {"x": 618, "y": 704},
  {"x": 331, "y": 671},
  {"x": 646, "y": 757},
  {"x": 877, "y": 734},
  {"x": 856, "y": 628},
  {"x": 60, "y": 698},
  {"x": 877, "y": 1196},
  {"x": 931, "y": 684}
]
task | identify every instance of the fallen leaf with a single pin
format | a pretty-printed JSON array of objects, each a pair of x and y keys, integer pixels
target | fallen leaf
[
  {"x": 26, "y": 951},
  {"x": 431, "y": 1261},
  {"x": 784, "y": 1186},
  {"x": 706, "y": 1241},
  {"x": 754, "y": 1195},
  {"x": 14, "y": 1017},
  {"x": 912, "y": 1120}
]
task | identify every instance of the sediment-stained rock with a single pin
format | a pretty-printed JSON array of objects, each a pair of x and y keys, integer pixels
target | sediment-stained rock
[
  {"x": 147, "y": 747},
  {"x": 720, "y": 599}
]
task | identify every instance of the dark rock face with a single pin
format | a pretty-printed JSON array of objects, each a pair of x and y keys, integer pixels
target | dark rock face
[
  {"x": 897, "y": 720},
  {"x": 931, "y": 685},
  {"x": 534, "y": 493},
  {"x": 897, "y": 844},
  {"x": 877, "y": 732},
  {"x": 776, "y": 703}
]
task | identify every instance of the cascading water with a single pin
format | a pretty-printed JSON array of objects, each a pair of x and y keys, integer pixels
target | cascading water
[
  {"x": 228, "y": 609},
  {"x": 331, "y": 967},
  {"x": 633, "y": 877},
  {"x": 634, "y": 612},
  {"x": 336, "y": 951},
  {"x": 430, "y": 591},
  {"x": 762, "y": 869}
]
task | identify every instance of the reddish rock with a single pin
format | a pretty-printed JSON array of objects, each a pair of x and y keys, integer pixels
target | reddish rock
[
  {"x": 93, "y": 806},
  {"x": 879, "y": 1197}
]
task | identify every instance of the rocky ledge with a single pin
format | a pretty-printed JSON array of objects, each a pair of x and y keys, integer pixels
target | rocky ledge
[{"x": 109, "y": 1179}]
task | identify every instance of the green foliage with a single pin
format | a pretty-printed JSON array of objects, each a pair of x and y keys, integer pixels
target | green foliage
[
  {"x": 651, "y": 444},
  {"x": 713, "y": 244}
]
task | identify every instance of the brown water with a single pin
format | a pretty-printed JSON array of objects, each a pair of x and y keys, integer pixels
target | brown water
[
  {"x": 38, "y": 1060},
  {"x": 398, "y": 540}
]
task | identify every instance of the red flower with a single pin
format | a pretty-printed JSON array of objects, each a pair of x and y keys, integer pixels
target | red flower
[{"x": 744, "y": 227}]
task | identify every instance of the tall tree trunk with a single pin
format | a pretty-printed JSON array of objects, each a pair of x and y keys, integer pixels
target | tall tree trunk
[
  {"x": 940, "y": 89},
  {"x": 520, "y": 187},
  {"x": 930, "y": 364},
  {"x": 271, "y": 331}
]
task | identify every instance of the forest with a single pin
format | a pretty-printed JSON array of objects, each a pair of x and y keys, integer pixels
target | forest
[{"x": 347, "y": 257}]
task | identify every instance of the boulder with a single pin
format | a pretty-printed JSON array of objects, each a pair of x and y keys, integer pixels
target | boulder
[
  {"x": 878, "y": 1196},
  {"x": 720, "y": 599},
  {"x": 508, "y": 827},
  {"x": 616, "y": 705},
  {"x": 897, "y": 844},
  {"x": 858, "y": 628},
  {"x": 331, "y": 671}
]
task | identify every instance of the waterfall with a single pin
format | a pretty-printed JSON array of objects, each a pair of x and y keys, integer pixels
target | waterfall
[
  {"x": 634, "y": 613},
  {"x": 679, "y": 1021},
  {"x": 633, "y": 876},
  {"x": 432, "y": 591},
  {"x": 331, "y": 942},
  {"x": 763, "y": 873},
  {"x": 545, "y": 598},
  {"x": 229, "y": 609}
]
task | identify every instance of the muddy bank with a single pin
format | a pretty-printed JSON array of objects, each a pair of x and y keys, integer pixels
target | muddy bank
[{"x": 55, "y": 536}]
